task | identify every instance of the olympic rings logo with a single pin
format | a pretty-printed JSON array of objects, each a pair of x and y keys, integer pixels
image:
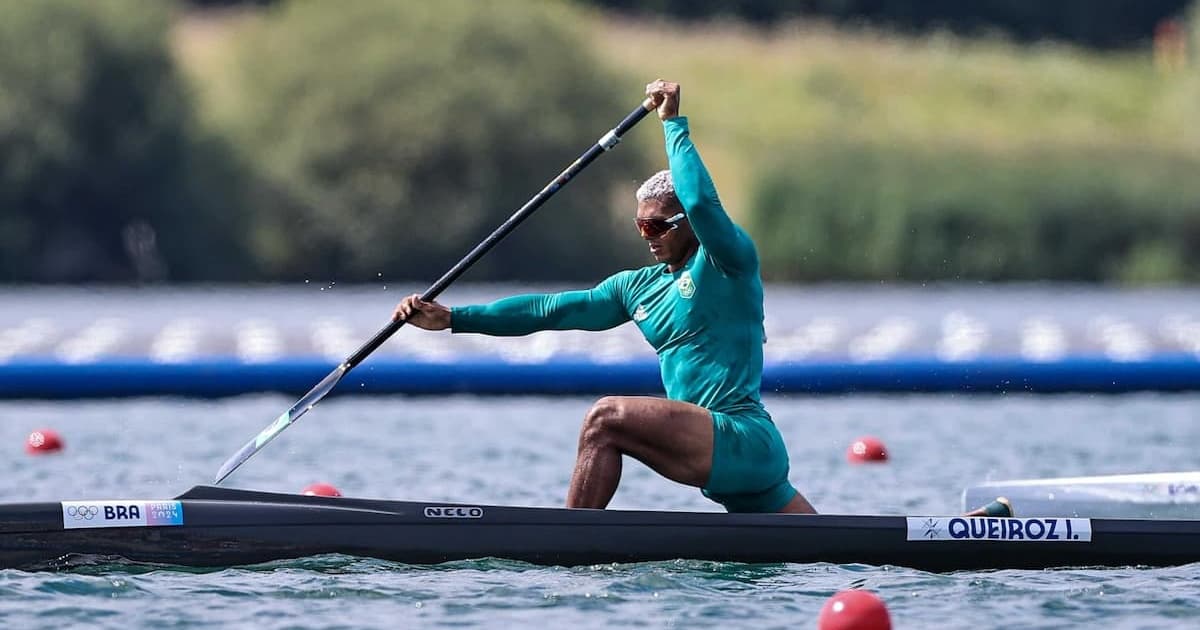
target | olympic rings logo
[{"x": 83, "y": 512}]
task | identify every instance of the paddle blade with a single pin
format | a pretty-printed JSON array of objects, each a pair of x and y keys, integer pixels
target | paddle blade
[{"x": 284, "y": 420}]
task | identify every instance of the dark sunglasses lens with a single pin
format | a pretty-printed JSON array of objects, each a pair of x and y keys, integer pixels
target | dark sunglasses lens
[{"x": 651, "y": 228}]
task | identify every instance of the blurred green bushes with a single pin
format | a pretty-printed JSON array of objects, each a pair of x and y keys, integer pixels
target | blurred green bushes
[
  {"x": 859, "y": 211},
  {"x": 348, "y": 141},
  {"x": 1097, "y": 23},
  {"x": 103, "y": 174},
  {"x": 859, "y": 155},
  {"x": 390, "y": 137},
  {"x": 356, "y": 140}
]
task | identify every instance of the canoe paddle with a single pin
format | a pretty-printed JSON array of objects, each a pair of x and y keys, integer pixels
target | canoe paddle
[{"x": 287, "y": 418}]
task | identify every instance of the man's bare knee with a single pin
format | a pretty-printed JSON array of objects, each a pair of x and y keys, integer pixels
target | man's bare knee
[{"x": 603, "y": 421}]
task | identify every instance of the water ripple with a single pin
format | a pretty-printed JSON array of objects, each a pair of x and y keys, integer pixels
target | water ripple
[{"x": 521, "y": 450}]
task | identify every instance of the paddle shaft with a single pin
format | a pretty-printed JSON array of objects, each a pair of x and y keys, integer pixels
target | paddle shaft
[
  {"x": 604, "y": 144},
  {"x": 327, "y": 384}
]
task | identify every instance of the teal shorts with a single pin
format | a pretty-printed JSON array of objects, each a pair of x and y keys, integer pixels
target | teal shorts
[{"x": 749, "y": 464}]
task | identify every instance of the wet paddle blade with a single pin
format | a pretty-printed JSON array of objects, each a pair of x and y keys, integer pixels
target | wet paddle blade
[{"x": 284, "y": 420}]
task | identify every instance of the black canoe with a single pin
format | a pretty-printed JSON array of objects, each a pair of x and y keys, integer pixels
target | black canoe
[{"x": 211, "y": 527}]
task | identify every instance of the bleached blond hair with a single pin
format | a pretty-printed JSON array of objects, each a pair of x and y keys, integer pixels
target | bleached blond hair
[{"x": 658, "y": 187}]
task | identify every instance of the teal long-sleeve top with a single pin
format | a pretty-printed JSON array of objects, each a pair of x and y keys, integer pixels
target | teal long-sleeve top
[{"x": 705, "y": 320}]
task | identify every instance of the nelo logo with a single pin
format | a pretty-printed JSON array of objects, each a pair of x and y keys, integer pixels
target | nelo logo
[{"x": 453, "y": 512}]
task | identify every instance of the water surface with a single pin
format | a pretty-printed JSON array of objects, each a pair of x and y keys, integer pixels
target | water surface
[{"x": 519, "y": 450}]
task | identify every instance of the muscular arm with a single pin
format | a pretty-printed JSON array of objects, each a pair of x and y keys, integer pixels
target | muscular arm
[
  {"x": 727, "y": 243},
  {"x": 594, "y": 309}
]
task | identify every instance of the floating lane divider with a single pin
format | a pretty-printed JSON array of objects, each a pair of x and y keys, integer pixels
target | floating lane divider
[{"x": 50, "y": 379}]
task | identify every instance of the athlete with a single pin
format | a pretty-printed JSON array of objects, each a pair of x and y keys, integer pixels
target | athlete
[{"x": 701, "y": 308}]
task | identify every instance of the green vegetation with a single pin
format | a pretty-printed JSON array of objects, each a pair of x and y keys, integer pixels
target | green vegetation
[
  {"x": 310, "y": 139},
  {"x": 1095, "y": 23},
  {"x": 921, "y": 212},
  {"x": 103, "y": 175},
  {"x": 391, "y": 137},
  {"x": 867, "y": 156}
]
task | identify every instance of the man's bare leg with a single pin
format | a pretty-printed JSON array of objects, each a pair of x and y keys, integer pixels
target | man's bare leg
[
  {"x": 673, "y": 438},
  {"x": 596, "y": 477}
]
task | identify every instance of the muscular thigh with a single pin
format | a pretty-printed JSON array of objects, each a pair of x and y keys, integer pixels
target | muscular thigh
[{"x": 674, "y": 438}]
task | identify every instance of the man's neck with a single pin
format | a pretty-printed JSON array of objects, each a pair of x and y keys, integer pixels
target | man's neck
[{"x": 684, "y": 261}]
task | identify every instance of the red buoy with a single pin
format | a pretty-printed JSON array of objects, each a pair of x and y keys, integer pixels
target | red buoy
[
  {"x": 854, "y": 610},
  {"x": 321, "y": 489},
  {"x": 43, "y": 442},
  {"x": 866, "y": 449}
]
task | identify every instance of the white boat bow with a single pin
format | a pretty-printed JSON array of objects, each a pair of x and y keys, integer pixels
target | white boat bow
[{"x": 1167, "y": 495}]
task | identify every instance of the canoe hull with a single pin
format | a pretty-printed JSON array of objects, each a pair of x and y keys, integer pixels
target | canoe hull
[{"x": 231, "y": 527}]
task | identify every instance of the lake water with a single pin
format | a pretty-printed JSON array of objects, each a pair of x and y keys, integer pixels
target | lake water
[{"x": 519, "y": 450}]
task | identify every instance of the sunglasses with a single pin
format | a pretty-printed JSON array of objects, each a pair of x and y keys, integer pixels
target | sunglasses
[{"x": 655, "y": 228}]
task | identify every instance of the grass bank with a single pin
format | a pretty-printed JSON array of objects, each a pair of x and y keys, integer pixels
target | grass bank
[{"x": 751, "y": 91}]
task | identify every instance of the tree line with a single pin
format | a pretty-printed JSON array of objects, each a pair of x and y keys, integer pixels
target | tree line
[
  {"x": 381, "y": 139},
  {"x": 362, "y": 139},
  {"x": 1093, "y": 23}
]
